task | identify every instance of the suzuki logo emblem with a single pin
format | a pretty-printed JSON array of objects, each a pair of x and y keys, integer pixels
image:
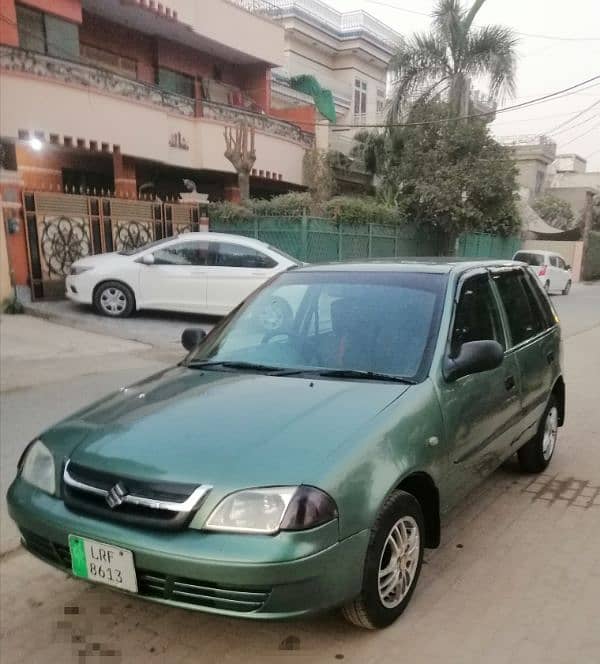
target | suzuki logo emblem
[{"x": 115, "y": 496}]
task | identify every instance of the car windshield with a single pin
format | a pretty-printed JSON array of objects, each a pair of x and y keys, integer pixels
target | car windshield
[
  {"x": 138, "y": 250},
  {"x": 355, "y": 324}
]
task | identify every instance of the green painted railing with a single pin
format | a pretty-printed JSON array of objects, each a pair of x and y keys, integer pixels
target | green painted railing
[
  {"x": 484, "y": 245},
  {"x": 318, "y": 240}
]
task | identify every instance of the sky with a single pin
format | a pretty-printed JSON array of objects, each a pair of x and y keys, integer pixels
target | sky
[{"x": 544, "y": 65}]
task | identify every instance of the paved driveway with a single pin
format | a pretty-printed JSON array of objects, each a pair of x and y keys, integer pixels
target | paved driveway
[{"x": 517, "y": 578}]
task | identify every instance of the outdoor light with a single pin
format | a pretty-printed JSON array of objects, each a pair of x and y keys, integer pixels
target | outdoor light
[{"x": 35, "y": 144}]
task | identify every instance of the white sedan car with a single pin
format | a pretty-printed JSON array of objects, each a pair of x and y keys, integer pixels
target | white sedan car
[
  {"x": 208, "y": 273},
  {"x": 551, "y": 269}
]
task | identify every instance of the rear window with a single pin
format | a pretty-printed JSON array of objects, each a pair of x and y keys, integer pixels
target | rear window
[
  {"x": 525, "y": 318},
  {"x": 530, "y": 259}
]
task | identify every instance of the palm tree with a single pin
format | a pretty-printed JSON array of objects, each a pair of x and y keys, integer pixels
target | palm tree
[{"x": 443, "y": 61}]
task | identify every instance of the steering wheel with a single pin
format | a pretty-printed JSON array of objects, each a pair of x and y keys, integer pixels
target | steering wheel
[{"x": 305, "y": 348}]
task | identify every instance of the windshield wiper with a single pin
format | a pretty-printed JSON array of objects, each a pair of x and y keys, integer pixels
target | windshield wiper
[
  {"x": 244, "y": 366},
  {"x": 363, "y": 375}
]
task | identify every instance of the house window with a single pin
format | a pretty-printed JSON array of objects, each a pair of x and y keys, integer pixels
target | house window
[
  {"x": 174, "y": 81},
  {"x": 539, "y": 181},
  {"x": 380, "y": 101},
  {"x": 360, "y": 100},
  {"x": 118, "y": 63},
  {"x": 46, "y": 33}
]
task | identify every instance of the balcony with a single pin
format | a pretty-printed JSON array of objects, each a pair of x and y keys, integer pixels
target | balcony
[
  {"x": 344, "y": 24},
  {"x": 104, "y": 81},
  {"x": 85, "y": 105}
]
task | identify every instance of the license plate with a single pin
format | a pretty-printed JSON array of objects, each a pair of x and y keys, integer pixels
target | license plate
[{"x": 104, "y": 563}]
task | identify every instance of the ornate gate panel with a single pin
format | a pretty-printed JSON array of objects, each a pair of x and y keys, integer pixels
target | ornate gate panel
[
  {"x": 60, "y": 229},
  {"x": 181, "y": 218},
  {"x": 130, "y": 224}
]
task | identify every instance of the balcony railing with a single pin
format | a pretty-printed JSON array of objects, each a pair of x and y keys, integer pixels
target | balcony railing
[
  {"x": 76, "y": 73},
  {"x": 265, "y": 123},
  {"x": 105, "y": 81},
  {"x": 347, "y": 24}
]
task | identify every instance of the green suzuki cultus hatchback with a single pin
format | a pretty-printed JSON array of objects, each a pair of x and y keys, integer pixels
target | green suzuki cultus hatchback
[{"x": 305, "y": 452}]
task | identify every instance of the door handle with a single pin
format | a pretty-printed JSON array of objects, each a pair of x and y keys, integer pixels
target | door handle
[
  {"x": 509, "y": 382},
  {"x": 550, "y": 357}
]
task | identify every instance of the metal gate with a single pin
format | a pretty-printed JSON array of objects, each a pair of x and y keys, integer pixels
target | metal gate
[{"x": 61, "y": 228}]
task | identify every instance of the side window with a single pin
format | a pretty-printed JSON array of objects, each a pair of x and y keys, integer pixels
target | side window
[
  {"x": 477, "y": 317},
  {"x": 550, "y": 317},
  {"x": 183, "y": 253},
  {"x": 236, "y": 255},
  {"x": 561, "y": 264},
  {"x": 525, "y": 317},
  {"x": 554, "y": 261}
]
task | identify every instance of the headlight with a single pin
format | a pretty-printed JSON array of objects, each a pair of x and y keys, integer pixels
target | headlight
[
  {"x": 267, "y": 511},
  {"x": 37, "y": 467},
  {"x": 79, "y": 269}
]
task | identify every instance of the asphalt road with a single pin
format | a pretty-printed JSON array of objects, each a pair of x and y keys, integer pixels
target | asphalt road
[{"x": 517, "y": 577}]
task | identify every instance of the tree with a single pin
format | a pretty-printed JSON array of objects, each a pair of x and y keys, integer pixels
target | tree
[
  {"x": 318, "y": 177},
  {"x": 429, "y": 65},
  {"x": 239, "y": 150},
  {"x": 554, "y": 211},
  {"x": 449, "y": 176}
]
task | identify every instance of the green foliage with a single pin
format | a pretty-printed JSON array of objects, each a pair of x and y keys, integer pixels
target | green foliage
[
  {"x": 450, "y": 175},
  {"x": 228, "y": 211},
  {"x": 290, "y": 204},
  {"x": 363, "y": 209},
  {"x": 12, "y": 305},
  {"x": 554, "y": 211},
  {"x": 370, "y": 150}
]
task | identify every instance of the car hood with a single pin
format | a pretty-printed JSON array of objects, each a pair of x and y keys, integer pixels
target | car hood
[
  {"x": 98, "y": 260},
  {"x": 221, "y": 428}
]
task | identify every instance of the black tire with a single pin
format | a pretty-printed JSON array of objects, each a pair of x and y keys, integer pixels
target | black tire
[
  {"x": 114, "y": 299},
  {"x": 368, "y": 610},
  {"x": 567, "y": 288},
  {"x": 534, "y": 456}
]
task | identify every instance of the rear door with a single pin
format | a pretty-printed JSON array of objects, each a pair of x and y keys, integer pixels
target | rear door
[
  {"x": 235, "y": 271},
  {"x": 177, "y": 279},
  {"x": 533, "y": 340},
  {"x": 563, "y": 272},
  {"x": 481, "y": 411}
]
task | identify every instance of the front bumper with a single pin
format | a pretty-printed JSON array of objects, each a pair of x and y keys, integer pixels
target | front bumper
[
  {"x": 79, "y": 289},
  {"x": 290, "y": 574}
]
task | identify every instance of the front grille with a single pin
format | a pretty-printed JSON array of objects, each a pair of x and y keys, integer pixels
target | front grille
[
  {"x": 155, "y": 585},
  {"x": 199, "y": 593},
  {"x": 86, "y": 488}
]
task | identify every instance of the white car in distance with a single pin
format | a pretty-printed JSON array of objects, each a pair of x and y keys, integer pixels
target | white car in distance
[
  {"x": 207, "y": 273},
  {"x": 551, "y": 269}
]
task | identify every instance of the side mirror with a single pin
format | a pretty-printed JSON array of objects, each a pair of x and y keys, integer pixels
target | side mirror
[
  {"x": 192, "y": 337},
  {"x": 474, "y": 357},
  {"x": 147, "y": 259}
]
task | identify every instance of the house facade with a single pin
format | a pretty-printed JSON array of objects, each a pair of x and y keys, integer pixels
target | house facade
[
  {"x": 114, "y": 103},
  {"x": 347, "y": 53}
]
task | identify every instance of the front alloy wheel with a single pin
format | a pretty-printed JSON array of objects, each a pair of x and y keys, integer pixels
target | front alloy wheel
[
  {"x": 392, "y": 564},
  {"x": 114, "y": 299}
]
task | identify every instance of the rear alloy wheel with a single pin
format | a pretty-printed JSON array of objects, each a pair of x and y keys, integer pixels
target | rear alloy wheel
[
  {"x": 535, "y": 455},
  {"x": 114, "y": 299},
  {"x": 392, "y": 565},
  {"x": 567, "y": 288}
]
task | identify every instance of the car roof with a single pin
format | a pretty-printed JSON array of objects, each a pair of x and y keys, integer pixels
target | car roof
[
  {"x": 425, "y": 265},
  {"x": 538, "y": 252},
  {"x": 220, "y": 237}
]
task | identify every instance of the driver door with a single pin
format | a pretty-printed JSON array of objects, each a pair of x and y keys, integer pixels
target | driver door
[
  {"x": 481, "y": 411},
  {"x": 176, "y": 281}
]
